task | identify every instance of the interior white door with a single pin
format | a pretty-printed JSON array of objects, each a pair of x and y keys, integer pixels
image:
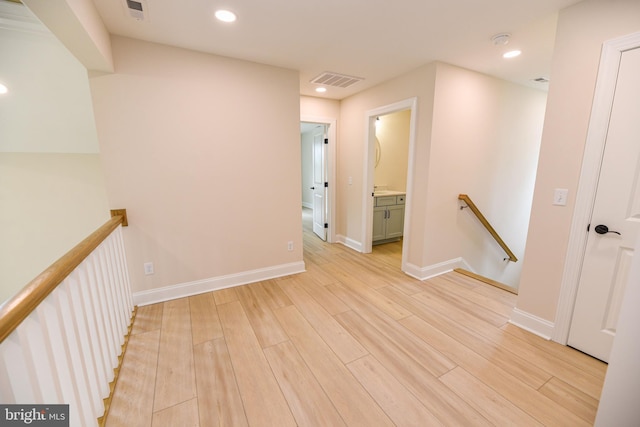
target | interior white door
[
  {"x": 319, "y": 189},
  {"x": 615, "y": 220}
]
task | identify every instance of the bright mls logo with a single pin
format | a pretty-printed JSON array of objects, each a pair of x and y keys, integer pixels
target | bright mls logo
[{"x": 34, "y": 415}]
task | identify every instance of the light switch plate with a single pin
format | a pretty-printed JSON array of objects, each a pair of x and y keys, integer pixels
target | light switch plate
[{"x": 560, "y": 196}]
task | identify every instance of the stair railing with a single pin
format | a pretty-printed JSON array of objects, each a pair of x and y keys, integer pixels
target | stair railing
[
  {"x": 469, "y": 203},
  {"x": 62, "y": 335}
]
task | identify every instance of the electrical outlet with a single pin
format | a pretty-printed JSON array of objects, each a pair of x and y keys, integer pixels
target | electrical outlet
[
  {"x": 290, "y": 246},
  {"x": 148, "y": 268}
]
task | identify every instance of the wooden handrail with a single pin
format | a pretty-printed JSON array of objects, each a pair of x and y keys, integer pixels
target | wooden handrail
[
  {"x": 16, "y": 309},
  {"x": 488, "y": 226}
]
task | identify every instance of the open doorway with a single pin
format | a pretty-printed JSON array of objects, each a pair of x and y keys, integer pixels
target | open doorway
[
  {"x": 387, "y": 205},
  {"x": 317, "y": 139},
  {"x": 390, "y": 184}
]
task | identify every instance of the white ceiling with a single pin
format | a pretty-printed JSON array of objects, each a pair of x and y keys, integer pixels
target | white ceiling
[{"x": 373, "y": 39}]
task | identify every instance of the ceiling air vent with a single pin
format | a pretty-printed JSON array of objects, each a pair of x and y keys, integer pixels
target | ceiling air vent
[
  {"x": 541, "y": 80},
  {"x": 334, "y": 79},
  {"x": 136, "y": 9}
]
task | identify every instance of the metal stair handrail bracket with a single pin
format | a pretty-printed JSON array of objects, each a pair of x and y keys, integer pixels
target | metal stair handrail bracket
[
  {"x": 467, "y": 200},
  {"x": 62, "y": 335}
]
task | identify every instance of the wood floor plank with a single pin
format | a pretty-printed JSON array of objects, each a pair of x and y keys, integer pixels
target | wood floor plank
[
  {"x": 497, "y": 306},
  {"x": 175, "y": 382},
  {"x": 582, "y": 361},
  {"x": 448, "y": 407},
  {"x": 343, "y": 344},
  {"x": 331, "y": 303},
  {"x": 485, "y": 400},
  {"x": 422, "y": 352},
  {"x": 219, "y": 401},
  {"x": 260, "y": 315},
  {"x": 397, "y": 402},
  {"x": 437, "y": 314},
  {"x": 275, "y": 298},
  {"x": 453, "y": 295},
  {"x": 545, "y": 410},
  {"x": 352, "y": 401},
  {"x": 367, "y": 275},
  {"x": 570, "y": 397},
  {"x": 132, "y": 403},
  {"x": 373, "y": 298},
  {"x": 320, "y": 275},
  {"x": 224, "y": 296},
  {"x": 183, "y": 414},
  {"x": 390, "y": 274},
  {"x": 565, "y": 371},
  {"x": 204, "y": 318},
  {"x": 148, "y": 318},
  {"x": 307, "y": 400},
  {"x": 263, "y": 400}
]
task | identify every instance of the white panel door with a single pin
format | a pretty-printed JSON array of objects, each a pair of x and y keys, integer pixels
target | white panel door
[
  {"x": 319, "y": 189},
  {"x": 615, "y": 220}
]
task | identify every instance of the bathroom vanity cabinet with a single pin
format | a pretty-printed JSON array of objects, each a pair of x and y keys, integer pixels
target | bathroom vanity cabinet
[{"x": 388, "y": 218}]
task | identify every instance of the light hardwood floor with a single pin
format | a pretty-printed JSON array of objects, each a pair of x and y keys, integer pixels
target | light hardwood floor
[{"x": 351, "y": 342}]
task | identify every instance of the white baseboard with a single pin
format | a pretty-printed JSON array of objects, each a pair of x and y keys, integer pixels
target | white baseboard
[
  {"x": 424, "y": 273},
  {"x": 182, "y": 290},
  {"x": 350, "y": 243},
  {"x": 534, "y": 324}
]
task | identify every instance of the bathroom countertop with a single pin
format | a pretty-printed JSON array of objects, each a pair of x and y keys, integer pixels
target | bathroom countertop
[{"x": 382, "y": 193}]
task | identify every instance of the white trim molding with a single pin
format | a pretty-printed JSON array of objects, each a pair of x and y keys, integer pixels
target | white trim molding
[
  {"x": 534, "y": 324},
  {"x": 424, "y": 273},
  {"x": 182, "y": 290},
  {"x": 350, "y": 243},
  {"x": 585, "y": 196},
  {"x": 368, "y": 169}
]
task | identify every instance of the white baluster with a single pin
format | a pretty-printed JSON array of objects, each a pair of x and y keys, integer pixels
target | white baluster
[
  {"x": 18, "y": 372},
  {"x": 75, "y": 352},
  {"x": 94, "y": 352},
  {"x": 99, "y": 321},
  {"x": 84, "y": 343},
  {"x": 51, "y": 320}
]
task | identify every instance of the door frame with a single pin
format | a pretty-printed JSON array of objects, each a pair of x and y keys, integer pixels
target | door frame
[
  {"x": 585, "y": 195},
  {"x": 369, "y": 168},
  {"x": 330, "y": 160}
]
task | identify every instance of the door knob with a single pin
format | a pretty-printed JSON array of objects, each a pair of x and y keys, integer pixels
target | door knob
[
  {"x": 313, "y": 188},
  {"x": 603, "y": 229}
]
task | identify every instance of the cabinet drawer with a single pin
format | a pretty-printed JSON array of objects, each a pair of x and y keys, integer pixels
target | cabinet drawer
[
  {"x": 386, "y": 200},
  {"x": 400, "y": 200}
]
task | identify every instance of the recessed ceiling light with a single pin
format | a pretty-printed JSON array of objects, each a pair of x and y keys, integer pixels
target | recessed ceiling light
[
  {"x": 225, "y": 15},
  {"x": 321, "y": 89},
  {"x": 512, "y": 54},
  {"x": 3, "y": 89}
]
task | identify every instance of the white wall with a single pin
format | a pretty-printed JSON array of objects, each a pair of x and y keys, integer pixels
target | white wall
[
  {"x": 475, "y": 134},
  {"x": 485, "y": 143},
  {"x": 48, "y": 106},
  {"x": 51, "y": 198},
  {"x": 582, "y": 29},
  {"x": 205, "y": 158},
  {"x": 48, "y": 204},
  {"x": 392, "y": 131},
  {"x": 352, "y": 146}
]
